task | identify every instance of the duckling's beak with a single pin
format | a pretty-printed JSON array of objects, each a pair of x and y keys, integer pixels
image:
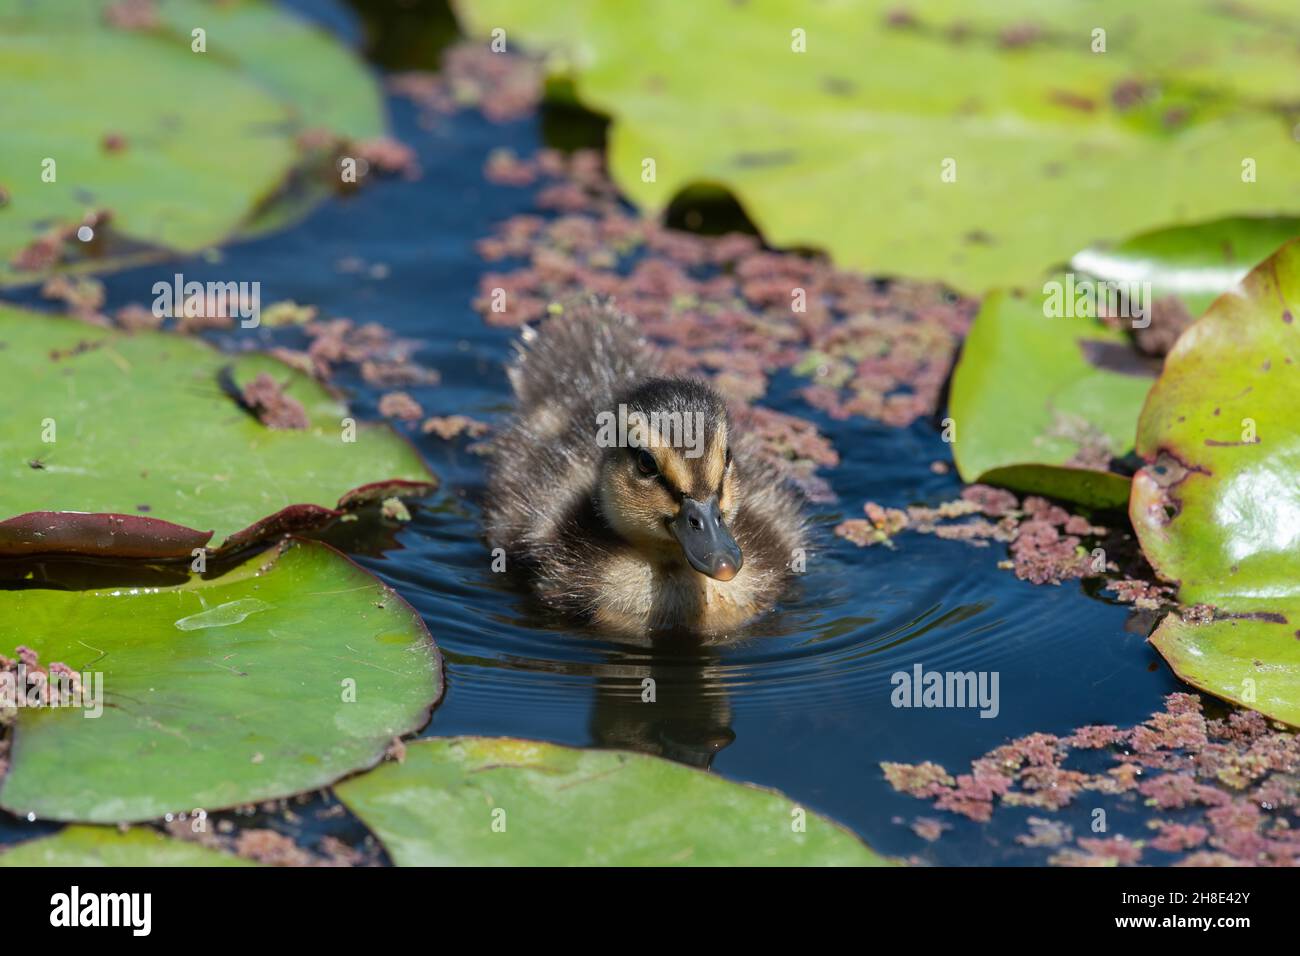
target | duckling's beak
[{"x": 705, "y": 540}]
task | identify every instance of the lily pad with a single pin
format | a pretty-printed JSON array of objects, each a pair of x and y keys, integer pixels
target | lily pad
[
  {"x": 277, "y": 677},
  {"x": 327, "y": 86},
  {"x": 1238, "y": 49},
  {"x": 477, "y": 801},
  {"x": 129, "y": 117},
  {"x": 1196, "y": 263},
  {"x": 103, "y": 846},
  {"x": 1217, "y": 507},
  {"x": 839, "y": 146},
  {"x": 1041, "y": 404},
  {"x": 152, "y": 452}
]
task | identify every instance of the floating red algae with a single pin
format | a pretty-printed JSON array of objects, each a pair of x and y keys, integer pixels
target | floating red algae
[
  {"x": 400, "y": 405},
  {"x": 723, "y": 307},
  {"x": 1178, "y": 791},
  {"x": 929, "y": 829},
  {"x": 1095, "y": 736},
  {"x": 920, "y": 780},
  {"x": 387, "y": 156},
  {"x": 1176, "y": 837},
  {"x": 23, "y": 679},
  {"x": 42, "y": 253},
  {"x": 1043, "y": 549},
  {"x": 793, "y": 445},
  {"x": 1046, "y": 542},
  {"x": 1238, "y": 780},
  {"x": 270, "y": 848},
  {"x": 1046, "y": 833},
  {"x": 1115, "y": 851},
  {"x": 1142, "y": 594},
  {"x": 384, "y": 360},
  {"x": 1120, "y": 849},
  {"x": 1043, "y": 555},
  {"x": 23, "y": 675},
  {"x": 992, "y": 502},
  {"x": 265, "y": 397},
  {"x": 450, "y": 426},
  {"x": 49, "y": 248},
  {"x": 502, "y": 86}
]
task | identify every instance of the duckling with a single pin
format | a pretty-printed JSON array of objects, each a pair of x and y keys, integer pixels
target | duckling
[{"x": 626, "y": 495}]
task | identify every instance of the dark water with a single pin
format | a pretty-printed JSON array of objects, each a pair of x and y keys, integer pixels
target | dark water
[{"x": 801, "y": 705}]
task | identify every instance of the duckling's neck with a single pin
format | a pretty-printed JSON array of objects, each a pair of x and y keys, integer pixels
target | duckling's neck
[{"x": 639, "y": 594}]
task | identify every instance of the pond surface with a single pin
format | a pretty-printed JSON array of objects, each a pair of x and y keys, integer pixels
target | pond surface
[{"x": 801, "y": 704}]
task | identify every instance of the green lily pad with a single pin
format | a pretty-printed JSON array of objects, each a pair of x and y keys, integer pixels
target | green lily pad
[
  {"x": 131, "y": 119},
  {"x": 104, "y": 846},
  {"x": 1237, "y": 49},
  {"x": 1196, "y": 263},
  {"x": 152, "y": 452},
  {"x": 478, "y": 801},
  {"x": 1040, "y": 404},
  {"x": 840, "y": 147},
  {"x": 277, "y": 677},
  {"x": 325, "y": 84},
  {"x": 1217, "y": 507}
]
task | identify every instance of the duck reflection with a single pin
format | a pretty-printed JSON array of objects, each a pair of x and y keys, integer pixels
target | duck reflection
[{"x": 670, "y": 702}]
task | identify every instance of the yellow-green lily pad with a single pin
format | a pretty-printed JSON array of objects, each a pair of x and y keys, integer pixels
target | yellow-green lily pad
[
  {"x": 479, "y": 801},
  {"x": 277, "y": 677},
  {"x": 977, "y": 147}
]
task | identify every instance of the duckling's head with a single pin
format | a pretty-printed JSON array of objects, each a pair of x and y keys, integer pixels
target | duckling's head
[{"x": 667, "y": 485}]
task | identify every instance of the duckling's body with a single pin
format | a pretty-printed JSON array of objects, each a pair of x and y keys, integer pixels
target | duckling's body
[{"x": 688, "y": 530}]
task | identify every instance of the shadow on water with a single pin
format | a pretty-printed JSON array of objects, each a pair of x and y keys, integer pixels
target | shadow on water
[{"x": 802, "y": 701}]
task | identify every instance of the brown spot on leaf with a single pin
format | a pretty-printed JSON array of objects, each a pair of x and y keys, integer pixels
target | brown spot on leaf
[
  {"x": 776, "y": 157},
  {"x": 838, "y": 86},
  {"x": 1074, "y": 101},
  {"x": 1020, "y": 35},
  {"x": 1268, "y": 617},
  {"x": 138, "y": 15},
  {"x": 1127, "y": 94}
]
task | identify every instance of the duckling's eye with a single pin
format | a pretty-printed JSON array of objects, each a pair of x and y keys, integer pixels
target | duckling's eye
[
  {"x": 646, "y": 464},
  {"x": 727, "y": 463}
]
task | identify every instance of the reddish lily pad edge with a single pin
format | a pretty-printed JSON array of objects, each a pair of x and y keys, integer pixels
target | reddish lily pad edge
[{"x": 110, "y": 535}]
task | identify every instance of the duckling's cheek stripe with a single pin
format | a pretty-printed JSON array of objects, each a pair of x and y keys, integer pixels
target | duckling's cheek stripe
[
  {"x": 670, "y": 467},
  {"x": 715, "y": 462}
]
